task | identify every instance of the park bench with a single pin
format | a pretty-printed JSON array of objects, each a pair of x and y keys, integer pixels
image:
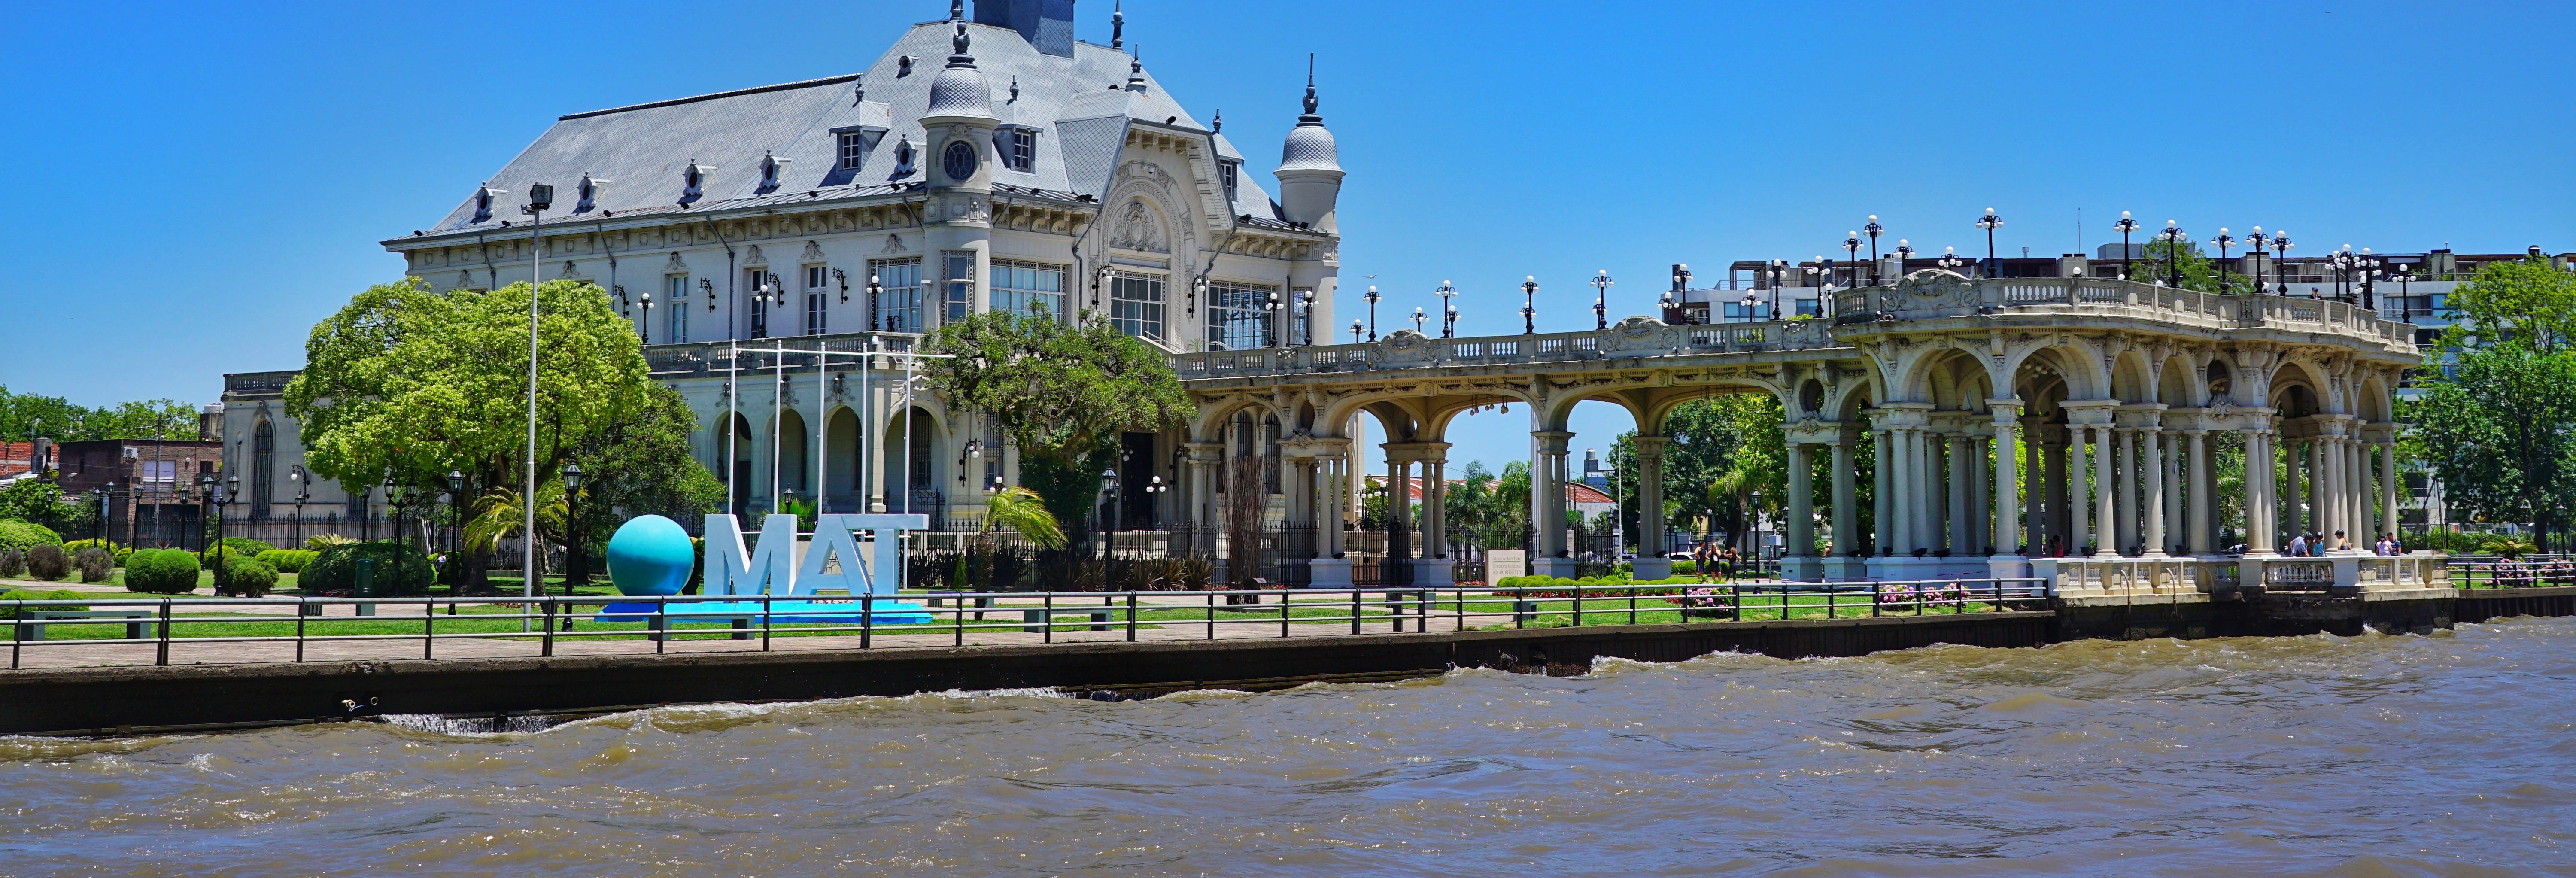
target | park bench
[{"x": 30, "y": 624}]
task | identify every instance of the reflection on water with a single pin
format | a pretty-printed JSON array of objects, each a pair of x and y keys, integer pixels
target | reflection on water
[{"x": 2444, "y": 754}]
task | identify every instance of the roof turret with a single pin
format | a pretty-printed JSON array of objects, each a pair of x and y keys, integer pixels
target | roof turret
[
  {"x": 960, "y": 89},
  {"x": 1309, "y": 147}
]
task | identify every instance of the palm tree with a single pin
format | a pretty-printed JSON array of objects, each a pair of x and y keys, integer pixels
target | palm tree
[
  {"x": 499, "y": 515},
  {"x": 1022, "y": 510}
]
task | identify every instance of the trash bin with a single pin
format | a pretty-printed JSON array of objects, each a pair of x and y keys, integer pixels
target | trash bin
[{"x": 366, "y": 585}]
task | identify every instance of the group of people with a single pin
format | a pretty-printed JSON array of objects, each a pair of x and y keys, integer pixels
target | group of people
[
  {"x": 2310, "y": 545},
  {"x": 1710, "y": 558}
]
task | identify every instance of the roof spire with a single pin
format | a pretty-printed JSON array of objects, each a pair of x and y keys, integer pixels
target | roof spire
[
  {"x": 959, "y": 43},
  {"x": 1136, "y": 69},
  {"x": 1118, "y": 25},
  {"x": 1217, "y": 125},
  {"x": 956, "y": 10},
  {"x": 1310, "y": 92}
]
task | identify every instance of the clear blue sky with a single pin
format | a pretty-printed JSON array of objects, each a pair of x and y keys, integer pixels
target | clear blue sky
[{"x": 192, "y": 186}]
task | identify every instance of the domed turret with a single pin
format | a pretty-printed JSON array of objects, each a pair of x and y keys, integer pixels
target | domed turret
[
  {"x": 960, "y": 89},
  {"x": 1310, "y": 168}
]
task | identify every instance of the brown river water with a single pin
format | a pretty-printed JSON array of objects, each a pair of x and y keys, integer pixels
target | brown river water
[{"x": 2448, "y": 754}]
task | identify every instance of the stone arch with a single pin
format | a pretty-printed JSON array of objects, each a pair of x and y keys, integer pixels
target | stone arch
[
  {"x": 2175, "y": 386},
  {"x": 793, "y": 444},
  {"x": 263, "y": 465},
  {"x": 1215, "y": 415},
  {"x": 2132, "y": 377},
  {"x": 2076, "y": 362},
  {"x": 2296, "y": 392},
  {"x": 842, "y": 477},
  {"x": 911, "y": 462},
  {"x": 2374, "y": 405}
]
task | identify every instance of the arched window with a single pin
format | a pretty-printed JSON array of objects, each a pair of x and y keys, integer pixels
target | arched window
[{"x": 263, "y": 467}]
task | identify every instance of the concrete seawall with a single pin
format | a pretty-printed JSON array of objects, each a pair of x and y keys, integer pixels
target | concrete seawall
[{"x": 125, "y": 700}]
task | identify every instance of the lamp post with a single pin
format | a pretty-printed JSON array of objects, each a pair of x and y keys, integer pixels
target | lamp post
[
  {"x": 1873, "y": 229},
  {"x": 1779, "y": 273},
  {"x": 1751, "y": 302},
  {"x": 1823, "y": 271},
  {"x": 1270, "y": 319},
  {"x": 1355, "y": 332},
  {"x": 1418, "y": 318},
  {"x": 224, "y": 498},
  {"x": 1448, "y": 310},
  {"x": 2406, "y": 298},
  {"x": 1950, "y": 260},
  {"x": 540, "y": 197},
  {"x": 2222, "y": 242},
  {"x": 2255, "y": 244},
  {"x": 2370, "y": 275},
  {"x": 455, "y": 524},
  {"x": 2174, "y": 236},
  {"x": 2124, "y": 227},
  {"x": 1154, "y": 498},
  {"x": 1990, "y": 222},
  {"x": 1529, "y": 305},
  {"x": 1302, "y": 332},
  {"x": 576, "y": 563},
  {"x": 1116, "y": 515},
  {"x": 876, "y": 285},
  {"x": 1372, "y": 298},
  {"x": 2281, "y": 253},
  {"x": 1904, "y": 251},
  {"x": 1601, "y": 284},
  {"x": 1851, "y": 246}
]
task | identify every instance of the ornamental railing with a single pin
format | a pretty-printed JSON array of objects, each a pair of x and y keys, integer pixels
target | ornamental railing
[{"x": 1634, "y": 337}]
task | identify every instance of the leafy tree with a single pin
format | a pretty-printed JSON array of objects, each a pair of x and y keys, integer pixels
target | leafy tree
[
  {"x": 25, "y": 414},
  {"x": 2198, "y": 273},
  {"x": 1063, "y": 393},
  {"x": 2527, "y": 299},
  {"x": 643, "y": 465},
  {"x": 1023, "y": 511},
  {"x": 407, "y": 383},
  {"x": 2500, "y": 431}
]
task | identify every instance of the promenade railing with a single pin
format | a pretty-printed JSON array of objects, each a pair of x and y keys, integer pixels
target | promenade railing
[
  {"x": 257, "y": 630},
  {"x": 2514, "y": 574}
]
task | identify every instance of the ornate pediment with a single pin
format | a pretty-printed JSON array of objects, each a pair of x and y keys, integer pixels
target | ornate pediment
[{"x": 1641, "y": 333}]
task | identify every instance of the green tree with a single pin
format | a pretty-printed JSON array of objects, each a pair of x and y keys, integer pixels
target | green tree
[
  {"x": 2500, "y": 432},
  {"x": 1063, "y": 392},
  {"x": 2527, "y": 299},
  {"x": 26, "y": 414},
  {"x": 2198, "y": 273},
  {"x": 643, "y": 465},
  {"x": 408, "y": 384}
]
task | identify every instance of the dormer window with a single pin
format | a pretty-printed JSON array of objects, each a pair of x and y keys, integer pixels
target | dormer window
[
  {"x": 482, "y": 204},
  {"x": 589, "y": 194},
  {"x": 1018, "y": 147},
  {"x": 903, "y": 66},
  {"x": 853, "y": 149},
  {"x": 903, "y": 155},
  {"x": 1227, "y": 171},
  {"x": 770, "y": 166},
  {"x": 693, "y": 181}
]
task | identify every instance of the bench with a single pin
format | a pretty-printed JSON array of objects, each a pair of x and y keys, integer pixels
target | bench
[{"x": 30, "y": 624}]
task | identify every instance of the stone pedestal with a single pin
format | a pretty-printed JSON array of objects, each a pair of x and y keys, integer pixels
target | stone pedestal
[
  {"x": 1802, "y": 568},
  {"x": 2008, "y": 567},
  {"x": 1429, "y": 573},
  {"x": 1328, "y": 573},
  {"x": 1645, "y": 569},
  {"x": 1846, "y": 568},
  {"x": 1561, "y": 568}
]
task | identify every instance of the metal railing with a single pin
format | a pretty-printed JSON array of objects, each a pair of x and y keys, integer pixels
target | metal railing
[
  {"x": 2514, "y": 574},
  {"x": 153, "y": 628}
]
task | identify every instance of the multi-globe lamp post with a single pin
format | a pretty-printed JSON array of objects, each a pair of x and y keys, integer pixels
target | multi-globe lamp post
[
  {"x": 2222, "y": 242},
  {"x": 2124, "y": 227},
  {"x": 1372, "y": 298},
  {"x": 1601, "y": 284},
  {"x": 2254, "y": 245},
  {"x": 1990, "y": 222},
  {"x": 1529, "y": 305},
  {"x": 2174, "y": 236},
  {"x": 1448, "y": 310},
  {"x": 1873, "y": 229},
  {"x": 1851, "y": 246}
]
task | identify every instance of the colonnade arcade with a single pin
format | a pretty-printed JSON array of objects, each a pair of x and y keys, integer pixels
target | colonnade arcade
[{"x": 1994, "y": 424}]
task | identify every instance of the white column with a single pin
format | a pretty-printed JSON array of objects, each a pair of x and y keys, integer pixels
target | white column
[
  {"x": 2105, "y": 492},
  {"x": 1801, "y": 508},
  {"x": 2154, "y": 540},
  {"x": 1846, "y": 518},
  {"x": 1882, "y": 488},
  {"x": 1650, "y": 496},
  {"x": 1980, "y": 495},
  {"x": 2170, "y": 453},
  {"x": 2291, "y": 513},
  {"x": 2054, "y": 519},
  {"x": 2124, "y": 477},
  {"x": 1927, "y": 489},
  {"x": 1956, "y": 536},
  {"x": 2260, "y": 502},
  {"x": 2197, "y": 525},
  {"x": 2079, "y": 503},
  {"x": 2388, "y": 487},
  {"x": 2007, "y": 496}
]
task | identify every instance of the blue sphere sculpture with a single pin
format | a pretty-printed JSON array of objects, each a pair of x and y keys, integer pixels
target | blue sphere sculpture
[{"x": 650, "y": 555}]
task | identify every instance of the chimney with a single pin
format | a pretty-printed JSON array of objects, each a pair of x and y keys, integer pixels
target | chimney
[
  {"x": 1046, "y": 24},
  {"x": 210, "y": 423}
]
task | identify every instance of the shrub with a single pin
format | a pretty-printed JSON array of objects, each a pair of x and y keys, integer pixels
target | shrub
[
  {"x": 400, "y": 570},
  {"x": 24, "y": 535},
  {"x": 13, "y": 563},
  {"x": 95, "y": 564},
  {"x": 246, "y": 577},
  {"x": 161, "y": 571},
  {"x": 247, "y": 546},
  {"x": 2508, "y": 548},
  {"x": 48, "y": 562},
  {"x": 319, "y": 542},
  {"x": 74, "y": 546},
  {"x": 11, "y": 612},
  {"x": 287, "y": 560}
]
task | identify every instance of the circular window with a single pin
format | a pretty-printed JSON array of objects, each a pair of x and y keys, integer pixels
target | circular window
[{"x": 958, "y": 160}]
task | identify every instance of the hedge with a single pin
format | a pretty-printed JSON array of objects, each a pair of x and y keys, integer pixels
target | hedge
[
  {"x": 287, "y": 560},
  {"x": 10, "y": 611},
  {"x": 48, "y": 563},
  {"x": 245, "y": 576},
  {"x": 23, "y": 535},
  {"x": 161, "y": 571},
  {"x": 247, "y": 546},
  {"x": 400, "y": 570}
]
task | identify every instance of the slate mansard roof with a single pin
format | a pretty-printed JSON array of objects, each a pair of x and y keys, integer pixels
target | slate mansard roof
[{"x": 1080, "y": 107}]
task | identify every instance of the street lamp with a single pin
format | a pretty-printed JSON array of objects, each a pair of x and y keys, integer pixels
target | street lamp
[
  {"x": 1109, "y": 494},
  {"x": 1779, "y": 273},
  {"x": 455, "y": 523},
  {"x": 1851, "y": 245},
  {"x": 1198, "y": 287},
  {"x": 1418, "y": 318},
  {"x": 1950, "y": 260},
  {"x": 2174, "y": 236},
  {"x": 1904, "y": 251},
  {"x": 876, "y": 285},
  {"x": 576, "y": 567},
  {"x": 303, "y": 491},
  {"x": 2406, "y": 298},
  {"x": 1990, "y": 222},
  {"x": 1822, "y": 271},
  {"x": 1303, "y": 333},
  {"x": 2124, "y": 227},
  {"x": 1372, "y": 303},
  {"x": 2255, "y": 243},
  {"x": 1873, "y": 229},
  {"x": 1529, "y": 305},
  {"x": 1270, "y": 319},
  {"x": 1448, "y": 310},
  {"x": 1355, "y": 332},
  {"x": 229, "y": 495},
  {"x": 1601, "y": 284},
  {"x": 2222, "y": 242},
  {"x": 1751, "y": 302}
]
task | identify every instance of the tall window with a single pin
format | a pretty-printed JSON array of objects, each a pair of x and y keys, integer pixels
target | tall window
[
  {"x": 263, "y": 467},
  {"x": 899, "y": 305},
  {"x": 1226, "y": 171},
  {"x": 676, "y": 302},
  {"x": 1024, "y": 287},
  {"x": 957, "y": 276},
  {"x": 751, "y": 281},
  {"x": 1235, "y": 318},
  {"x": 817, "y": 278},
  {"x": 993, "y": 459},
  {"x": 1136, "y": 304}
]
